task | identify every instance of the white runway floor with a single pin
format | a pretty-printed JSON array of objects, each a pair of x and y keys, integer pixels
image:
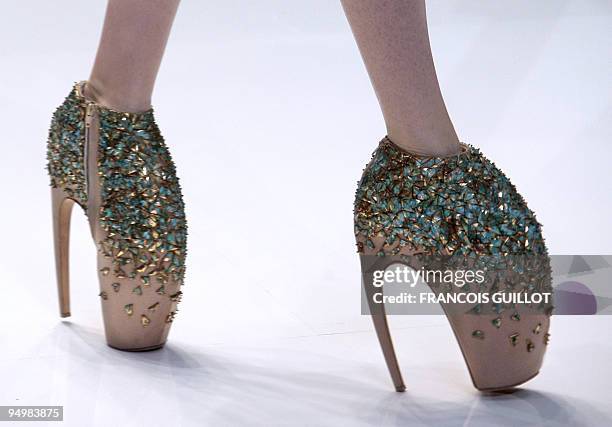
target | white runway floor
[{"x": 270, "y": 117}]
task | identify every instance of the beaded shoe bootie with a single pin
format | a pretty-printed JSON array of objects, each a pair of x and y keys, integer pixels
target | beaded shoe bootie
[
  {"x": 116, "y": 166},
  {"x": 459, "y": 213}
]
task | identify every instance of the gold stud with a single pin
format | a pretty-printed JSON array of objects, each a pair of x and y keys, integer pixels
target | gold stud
[
  {"x": 170, "y": 317},
  {"x": 129, "y": 309},
  {"x": 120, "y": 273},
  {"x": 514, "y": 338}
]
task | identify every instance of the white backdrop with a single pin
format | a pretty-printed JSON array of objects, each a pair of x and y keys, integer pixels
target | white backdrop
[{"x": 270, "y": 117}]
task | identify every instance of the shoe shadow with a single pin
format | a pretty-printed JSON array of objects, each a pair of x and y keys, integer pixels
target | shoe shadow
[
  {"x": 90, "y": 342},
  {"x": 250, "y": 386},
  {"x": 521, "y": 407}
]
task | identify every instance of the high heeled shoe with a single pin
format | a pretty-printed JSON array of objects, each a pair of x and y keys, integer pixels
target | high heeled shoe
[
  {"x": 461, "y": 208},
  {"x": 117, "y": 168}
]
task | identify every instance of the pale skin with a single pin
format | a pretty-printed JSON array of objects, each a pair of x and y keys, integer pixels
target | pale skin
[
  {"x": 392, "y": 37},
  {"x": 133, "y": 41},
  {"x": 394, "y": 42}
]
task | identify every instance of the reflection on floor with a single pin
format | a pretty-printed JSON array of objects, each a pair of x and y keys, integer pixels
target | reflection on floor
[{"x": 329, "y": 379}]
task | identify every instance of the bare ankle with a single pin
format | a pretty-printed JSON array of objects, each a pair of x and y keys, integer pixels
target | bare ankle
[
  {"x": 435, "y": 145},
  {"x": 115, "y": 99}
]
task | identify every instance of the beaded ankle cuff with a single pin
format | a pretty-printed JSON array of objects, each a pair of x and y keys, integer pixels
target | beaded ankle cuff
[
  {"x": 65, "y": 147},
  {"x": 461, "y": 204}
]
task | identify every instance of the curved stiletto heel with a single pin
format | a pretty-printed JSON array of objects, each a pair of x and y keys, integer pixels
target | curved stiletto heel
[
  {"x": 381, "y": 326},
  {"x": 62, "y": 211},
  {"x": 455, "y": 212},
  {"x": 116, "y": 166}
]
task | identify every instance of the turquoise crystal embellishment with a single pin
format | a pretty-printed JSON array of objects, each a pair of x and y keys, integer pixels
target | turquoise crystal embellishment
[
  {"x": 142, "y": 208},
  {"x": 65, "y": 147},
  {"x": 441, "y": 206}
]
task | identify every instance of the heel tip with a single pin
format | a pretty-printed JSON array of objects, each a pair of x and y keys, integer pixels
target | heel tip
[
  {"x": 400, "y": 389},
  {"x": 67, "y": 314},
  {"x": 138, "y": 349}
]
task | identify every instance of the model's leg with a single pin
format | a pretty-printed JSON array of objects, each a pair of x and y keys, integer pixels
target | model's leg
[
  {"x": 131, "y": 47},
  {"x": 394, "y": 43}
]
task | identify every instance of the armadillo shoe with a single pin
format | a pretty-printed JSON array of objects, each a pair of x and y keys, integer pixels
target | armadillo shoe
[
  {"x": 117, "y": 168},
  {"x": 460, "y": 208}
]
